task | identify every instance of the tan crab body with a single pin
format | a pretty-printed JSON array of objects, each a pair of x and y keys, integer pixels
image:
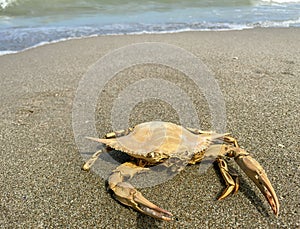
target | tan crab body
[{"x": 156, "y": 142}]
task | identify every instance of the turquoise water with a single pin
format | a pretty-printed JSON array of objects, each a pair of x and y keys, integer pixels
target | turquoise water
[{"x": 27, "y": 23}]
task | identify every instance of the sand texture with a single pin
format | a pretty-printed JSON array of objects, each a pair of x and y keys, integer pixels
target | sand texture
[{"x": 42, "y": 185}]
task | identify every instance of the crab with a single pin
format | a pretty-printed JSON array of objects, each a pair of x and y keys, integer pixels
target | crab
[{"x": 173, "y": 146}]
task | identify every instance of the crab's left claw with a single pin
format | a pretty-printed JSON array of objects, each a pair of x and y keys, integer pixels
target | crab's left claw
[{"x": 257, "y": 174}]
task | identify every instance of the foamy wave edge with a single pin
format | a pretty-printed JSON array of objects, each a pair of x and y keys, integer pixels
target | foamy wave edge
[
  {"x": 237, "y": 27},
  {"x": 8, "y": 52},
  {"x": 230, "y": 27}
]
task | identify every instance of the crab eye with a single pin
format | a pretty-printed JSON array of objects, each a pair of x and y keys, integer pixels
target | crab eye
[{"x": 152, "y": 154}]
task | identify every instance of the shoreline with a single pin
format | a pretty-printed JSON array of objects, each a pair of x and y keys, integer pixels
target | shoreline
[
  {"x": 257, "y": 71},
  {"x": 8, "y": 52}
]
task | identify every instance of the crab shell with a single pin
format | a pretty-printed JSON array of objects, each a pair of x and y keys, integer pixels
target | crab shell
[{"x": 157, "y": 141}]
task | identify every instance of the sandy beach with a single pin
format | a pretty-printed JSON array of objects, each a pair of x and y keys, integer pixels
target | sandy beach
[{"x": 43, "y": 185}]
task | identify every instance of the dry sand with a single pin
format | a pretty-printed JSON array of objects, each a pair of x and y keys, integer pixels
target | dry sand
[{"x": 43, "y": 186}]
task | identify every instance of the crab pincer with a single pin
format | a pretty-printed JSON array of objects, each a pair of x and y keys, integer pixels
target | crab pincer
[
  {"x": 125, "y": 193},
  {"x": 258, "y": 175}
]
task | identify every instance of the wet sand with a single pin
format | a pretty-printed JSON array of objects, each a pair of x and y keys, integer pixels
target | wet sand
[{"x": 42, "y": 183}]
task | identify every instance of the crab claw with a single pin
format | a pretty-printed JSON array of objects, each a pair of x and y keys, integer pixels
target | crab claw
[
  {"x": 128, "y": 195},
  {"x": 257, "y": 174}
]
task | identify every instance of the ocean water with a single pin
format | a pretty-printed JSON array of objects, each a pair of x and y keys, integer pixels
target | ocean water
[{"x": 28, "y": 23}]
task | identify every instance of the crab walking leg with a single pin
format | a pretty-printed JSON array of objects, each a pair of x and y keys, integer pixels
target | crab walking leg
[
  {"x": 231, "y": 140},
  {"x": 257, "y": 174},
  {"x": 128, "y": 195},
  {"x": 89, "y": 163},
  {"x": 217, "y": 152},
  {"x": 231, "y": 183}
]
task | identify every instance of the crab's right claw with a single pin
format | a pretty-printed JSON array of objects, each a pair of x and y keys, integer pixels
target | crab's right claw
[
  {"x": 257, "y": 174},
  {"x": 128, "y": 195}
]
